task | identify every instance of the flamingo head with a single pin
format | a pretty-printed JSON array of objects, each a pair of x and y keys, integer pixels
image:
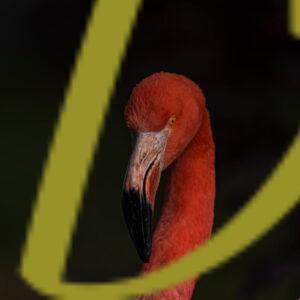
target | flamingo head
[{"x": 163, "y": 114}]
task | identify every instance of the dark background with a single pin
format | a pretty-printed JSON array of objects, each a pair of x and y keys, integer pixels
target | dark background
[{"x": 239, "y": 52}]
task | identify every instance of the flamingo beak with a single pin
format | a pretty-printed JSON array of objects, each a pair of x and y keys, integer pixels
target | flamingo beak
[{"x": 140, "y": 185}]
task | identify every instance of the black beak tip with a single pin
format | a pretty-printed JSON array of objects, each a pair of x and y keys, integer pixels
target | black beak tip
[
  {"x": 145, "y": 258},
  {"x": 144, "y": 255},
  {"x": 138, "y": 216}
]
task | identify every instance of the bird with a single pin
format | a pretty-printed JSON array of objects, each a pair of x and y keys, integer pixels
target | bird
[{"x": 171, "y": 129}]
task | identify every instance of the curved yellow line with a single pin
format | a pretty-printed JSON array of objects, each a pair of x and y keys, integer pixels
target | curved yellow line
[
  {"x": 294, "y": 18},
  {"x": 81, "y": 120},
  {"x": 71, "y": 153}
]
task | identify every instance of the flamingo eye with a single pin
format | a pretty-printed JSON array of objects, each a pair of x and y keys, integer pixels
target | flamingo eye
[{"x": 172, "y": 120}]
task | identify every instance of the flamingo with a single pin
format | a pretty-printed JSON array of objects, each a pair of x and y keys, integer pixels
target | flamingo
[{"x": 167, "y": 116}]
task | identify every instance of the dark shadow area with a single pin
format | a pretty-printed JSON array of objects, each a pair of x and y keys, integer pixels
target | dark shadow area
[{"x": 241, "y": 55}]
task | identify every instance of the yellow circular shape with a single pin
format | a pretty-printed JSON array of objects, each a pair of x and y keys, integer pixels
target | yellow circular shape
[{"x": 71, "y": 154}]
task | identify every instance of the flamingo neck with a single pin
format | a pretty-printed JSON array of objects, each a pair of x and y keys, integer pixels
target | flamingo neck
[{"x": 187, "y": 215}]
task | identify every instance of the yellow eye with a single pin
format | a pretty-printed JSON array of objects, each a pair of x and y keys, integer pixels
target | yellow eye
[{"x": 172, "y": 120}]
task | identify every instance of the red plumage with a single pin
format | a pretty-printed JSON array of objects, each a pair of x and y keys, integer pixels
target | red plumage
[{"x": 187, "y": 215}]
